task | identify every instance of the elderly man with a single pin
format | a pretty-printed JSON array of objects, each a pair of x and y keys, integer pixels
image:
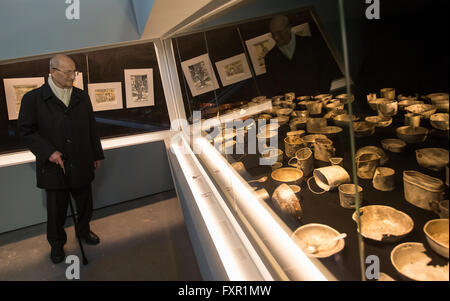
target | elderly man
[
  {"x": 298, "y": 64},
  {"x": 57, "y": 124}
]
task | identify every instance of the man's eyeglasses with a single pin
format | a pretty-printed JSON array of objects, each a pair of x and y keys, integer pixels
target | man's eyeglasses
[{"x": 70, "y": 72}]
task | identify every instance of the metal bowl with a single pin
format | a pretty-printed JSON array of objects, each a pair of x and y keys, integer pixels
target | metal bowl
[
  {"x": 424, "y": 110},
  {"x": 363, "y": 129},
  {"x": 334, "y": 113},
  {"x": 439, "y": 121},
  {"x": 373, "y": 150},
  {"x": 411, "y": 262},
  {"x": 432, "y": 158},
  {"x": 313, "y": 234},
  {"x": 393, "y": 145},
  {"x": 310, "y": 139},
  {"x": 282, "y": 120},
  {"x": 384, "y": 223},
  {"x": 269, "y": 127},
  {"x": 379, "y": 121},
  {"x": 442, "y": 105},
  {"x": 411, "y": 134},
  {"x": 284, "y": 111},
  {"x": 344, "y": 119},
  {"x": 344, "y": 99},
  {"x": 373, "y": 103},
  {"x": 387, "y": 108},
  {"x": 436, "y": 232},
  {"x": 408, "y": 102},
  {"x": 302, "y": 113},
  {"x": 437, "y": 96},
  {"x": 330, "y": 131},
  {"x": 288, "y": 175},
  {"x": 388, "y": 93},
  {"x": 334, "y": 106}
]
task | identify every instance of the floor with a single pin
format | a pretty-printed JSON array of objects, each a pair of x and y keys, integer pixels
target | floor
[{"x": 143, "y": 239}]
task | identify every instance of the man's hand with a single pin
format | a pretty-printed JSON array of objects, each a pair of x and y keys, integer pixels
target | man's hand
[
  {"x": 96, "y": 164},
  {"x": 56, "y": 158}
]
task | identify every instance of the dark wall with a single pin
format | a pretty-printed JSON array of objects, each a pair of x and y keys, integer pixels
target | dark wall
[
  {"x": 102, "y": 66},
  {"x": 407, "y": 48}
]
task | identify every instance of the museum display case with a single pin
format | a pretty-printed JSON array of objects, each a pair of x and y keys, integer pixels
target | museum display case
[
  {"x": 330, "y": 181},
  {"x": 329, "y": 165}
]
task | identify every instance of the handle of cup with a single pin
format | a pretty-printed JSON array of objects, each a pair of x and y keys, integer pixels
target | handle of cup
[{"x": 293, "y": 165}]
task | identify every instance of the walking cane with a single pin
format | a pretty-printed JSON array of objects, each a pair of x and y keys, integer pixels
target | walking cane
[{"x": 75, "y": 223}]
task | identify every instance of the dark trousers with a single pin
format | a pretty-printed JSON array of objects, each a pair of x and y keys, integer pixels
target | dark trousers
[{"x": 57, "y": 204}]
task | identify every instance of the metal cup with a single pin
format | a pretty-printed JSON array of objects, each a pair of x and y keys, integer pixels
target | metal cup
[{"x": 412, "y": 119}]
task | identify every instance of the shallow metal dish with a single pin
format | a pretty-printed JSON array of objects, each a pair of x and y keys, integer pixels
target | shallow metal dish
[
  {"x": 379, "y": 121},
  {"x": 287, "y": 175},
  {"x": 328, "y": 130},
  {"x": 411, "y": 262},
  {"x": 393, "y": 145},
  {"x": 384, "y": 223},
  {"x": 312, "y": 234},
  {"x": 411, "y": 134},
  {"x": 408, "y": 102},
  {"x": 344, "y": 120}
]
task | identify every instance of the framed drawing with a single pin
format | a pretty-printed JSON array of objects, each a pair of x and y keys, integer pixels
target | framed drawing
[
  {"x": 258, "y": 48},
  {"x": 199, "y": 75},
  {"x": 15, "y": 89},
  {"x": 302, "y": 30},
  {"x": 106, "y": 96},
  {"x": 233, "y": 69},
  {"x": 139, "y": 87}
]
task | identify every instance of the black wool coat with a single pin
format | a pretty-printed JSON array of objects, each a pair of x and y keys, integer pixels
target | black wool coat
[{"x": 47, "y": 125}]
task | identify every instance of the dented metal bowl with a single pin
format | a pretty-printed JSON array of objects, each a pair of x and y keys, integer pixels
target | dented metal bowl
[
  {"x": 412, "y": 263},
  {"x": 384, "y": 223}
]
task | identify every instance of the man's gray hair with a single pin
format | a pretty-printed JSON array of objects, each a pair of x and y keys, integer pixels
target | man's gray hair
[{"x": 53, "y": 62}]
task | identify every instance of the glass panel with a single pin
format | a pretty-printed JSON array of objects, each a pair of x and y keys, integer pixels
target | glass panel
[
  {"x": 399, "y": 67},
  {"x": 306, "y": 98}
]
